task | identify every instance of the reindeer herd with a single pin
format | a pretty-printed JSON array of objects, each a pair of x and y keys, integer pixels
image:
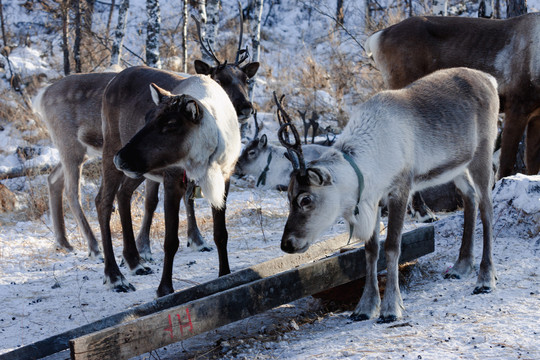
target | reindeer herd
[{"x": 448, "y": 79}]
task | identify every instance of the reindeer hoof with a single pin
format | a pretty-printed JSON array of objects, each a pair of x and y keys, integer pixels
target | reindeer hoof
[
  {"x": 482, "y": 290},
  {"x": 143, "y": 270},
  {"x": 146, "y": 256},
  {"x": 386, "y": 319},
  {"x": 359, "y": 317},
  {"x": 164, "y": 290},
  {"x": 124, "y": 288}
]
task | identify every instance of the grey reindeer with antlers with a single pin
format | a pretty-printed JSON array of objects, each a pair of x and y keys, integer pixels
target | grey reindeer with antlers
[{"x": 441, "y": 128}]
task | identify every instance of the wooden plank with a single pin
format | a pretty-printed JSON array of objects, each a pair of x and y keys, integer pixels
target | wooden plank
[
  {"x": 60, "y": 342},
  {"x": 181, "y": 322}
]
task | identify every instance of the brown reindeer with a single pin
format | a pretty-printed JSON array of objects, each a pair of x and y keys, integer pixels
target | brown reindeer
[
  {"x": 71, "y": 109},
  {"x": 507, "y": 49},
  {"x": 148, "y": 131}
]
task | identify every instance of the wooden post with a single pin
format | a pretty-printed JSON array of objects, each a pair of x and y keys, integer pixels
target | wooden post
[{"x": 196, "y": 317}]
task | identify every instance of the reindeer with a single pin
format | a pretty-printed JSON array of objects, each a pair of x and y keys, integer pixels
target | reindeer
[
  {"x": 71, "y": 108},
  {"x": 268, "y": 163},
  {"x": 193, "y": 115},
  {"x": 191, "y": 130},
  {"x": 507, "y": 49},
  {"x": 440, "y": 128}
]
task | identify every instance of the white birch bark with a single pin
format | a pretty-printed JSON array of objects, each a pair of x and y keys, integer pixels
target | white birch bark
[
  {"x": 152, "y": 33},
  {"x": 211, "y": 28},
  {"x": 184, "y": 37},
  {"x": 255, "y": 38},
  {"x": 119, "y": 32}
]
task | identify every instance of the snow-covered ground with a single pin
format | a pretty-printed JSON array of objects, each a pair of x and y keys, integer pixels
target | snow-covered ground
[{"x": 44, "y": 292}]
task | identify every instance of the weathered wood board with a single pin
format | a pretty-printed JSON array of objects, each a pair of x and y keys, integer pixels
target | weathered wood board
[
  {"x": 209, "y": 312},
  {"x": 60, "y": 342}
]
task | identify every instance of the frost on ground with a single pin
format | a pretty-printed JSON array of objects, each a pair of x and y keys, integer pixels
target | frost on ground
[{"x": 45, "y": 292}]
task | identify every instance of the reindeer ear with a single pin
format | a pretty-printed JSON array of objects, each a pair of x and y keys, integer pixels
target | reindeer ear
[
  {"x": 319, "y": 176},
  {"x": 202, "y": 68},
  {"x": 158, "y": 94},
  {"x": 250, "y": 69},
  {"x": 193, "y": 111},
  {"x": 263, "y": 141}
]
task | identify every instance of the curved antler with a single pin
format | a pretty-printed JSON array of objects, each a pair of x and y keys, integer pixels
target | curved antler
[
  {"x": 294, "y": 149},
  {"x": 208, "y": 50}
]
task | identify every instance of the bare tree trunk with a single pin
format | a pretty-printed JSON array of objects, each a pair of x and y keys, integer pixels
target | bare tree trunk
[
  {"x": 516, "y": 8},
  {"x": 4, "y": 38},
  {"x": 119, "y": 32},
  {"x": 339, "y": 13},
  {"x": 88, "y": 15},
  {"x": 184, "y": 37},
  {"x": 212, "y": 22},
  {"x": 77, "y": 41},
  {"x": 64, "y": 10},
  {"x": 152, "y": 33},
  {"x": 256, "y": 37},
  {"x": 113, "y": 3}
]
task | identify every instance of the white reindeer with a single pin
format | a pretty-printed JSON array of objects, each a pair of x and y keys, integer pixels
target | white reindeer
[
  {"x": 268, "y": 163},
  {"x": 438, "y": 129}
]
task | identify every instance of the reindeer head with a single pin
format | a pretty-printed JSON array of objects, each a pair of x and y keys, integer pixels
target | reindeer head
[
  {"x": 233, "y": 78},
  {"x": 314, "y": 201},
  {"x": 166, "y": 136}
]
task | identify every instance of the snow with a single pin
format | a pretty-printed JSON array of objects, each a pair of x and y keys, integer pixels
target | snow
[{"x": 44, "y": 292}]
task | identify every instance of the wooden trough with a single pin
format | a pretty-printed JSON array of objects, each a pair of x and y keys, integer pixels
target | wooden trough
[{"x": 222, "y": 301}]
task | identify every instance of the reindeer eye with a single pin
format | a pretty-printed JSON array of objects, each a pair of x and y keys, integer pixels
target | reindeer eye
[
  {"x": 169, "y": 126},
  {"x": 251, "y": 153},
  {"x": 305, "y": 201}
]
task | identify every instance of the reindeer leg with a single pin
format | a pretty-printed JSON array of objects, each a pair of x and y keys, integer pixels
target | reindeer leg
[
  {"x": 220, "y": 235},
  {"x": 514, "y": 126},
  {"x": 104, "y": 203},
  {"x": 130, "y": 253},
  {"x": 370, "y": 302},
  {"x": 150, "y": 204},
  {"x": 487, "y": 275},
  {"x": 532, "y": 152},
  {"x": 174, "y": 190},
  {"x": 464, "y": 264},
  {"x": 72, "y": 178},
  {"x": 55, "y": 182},
  {"x": 195, "y": 239},
  {"x": 392, "y": 304},
  {"x": 421, "y": 211}
]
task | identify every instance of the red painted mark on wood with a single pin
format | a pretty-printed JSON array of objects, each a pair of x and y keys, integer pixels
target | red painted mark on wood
[{"x": 182, "y": 325}]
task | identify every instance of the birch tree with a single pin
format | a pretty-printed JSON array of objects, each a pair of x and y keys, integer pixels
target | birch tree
[
  {"x": 211, "y": 28},
  {"x": 78, "y": 36},
  {"x": 152, "y": 33},
  {"x": 516, "y": 8},
  {"x": 4, "y": 37},
  {"x": 64, "y": 13},
  {"x": 119, "y": 32},
  {"x": 184, "y": 37},
  {"x": 255, "y": 37}
]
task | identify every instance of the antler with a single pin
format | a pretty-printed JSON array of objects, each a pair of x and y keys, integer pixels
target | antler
[
  {"x": 294, "y": 149},
  {"x": 241, "y": 54},
  {"x": 256, "y": 136},
  {"x": 208, "y": 50}
]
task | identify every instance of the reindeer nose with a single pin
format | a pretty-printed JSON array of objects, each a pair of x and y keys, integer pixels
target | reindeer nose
[
  {"x": 245, "y": 112},
  {"x": 287, "y": 246}
]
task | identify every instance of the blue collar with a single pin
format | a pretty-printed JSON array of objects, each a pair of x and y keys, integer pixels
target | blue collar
[{"x": 360, "y": 178}]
